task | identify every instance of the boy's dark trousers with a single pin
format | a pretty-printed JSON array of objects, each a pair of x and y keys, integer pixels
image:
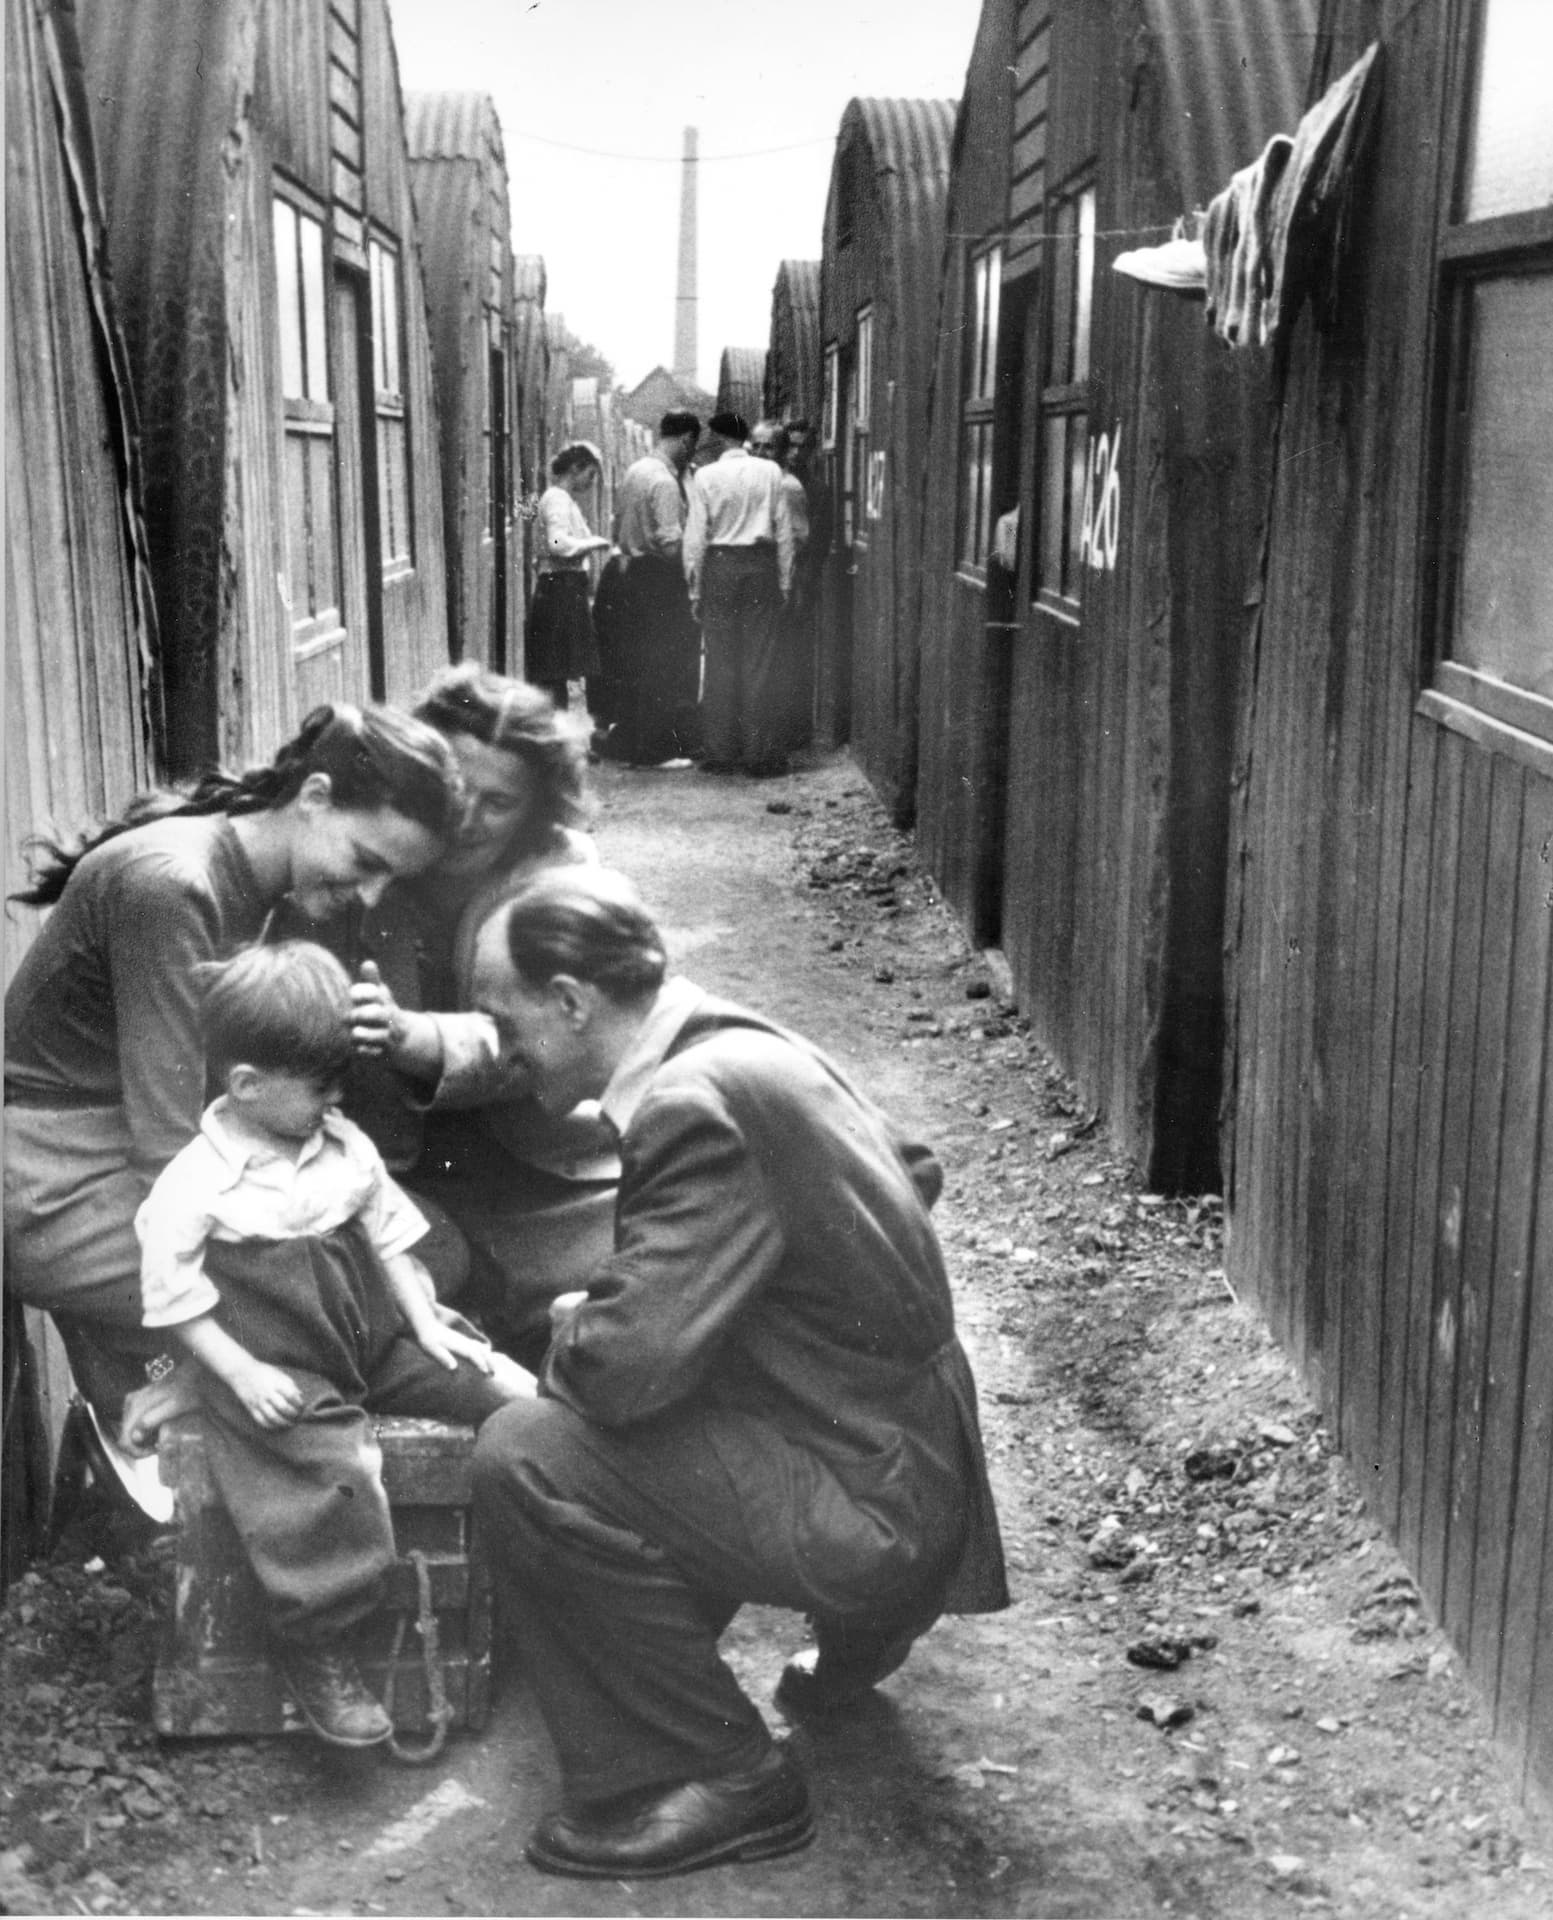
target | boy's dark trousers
[{"x": 307, "y": 1500}]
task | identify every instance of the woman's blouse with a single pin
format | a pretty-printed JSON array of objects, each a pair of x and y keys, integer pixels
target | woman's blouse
[
  {"x": 104, "y": 1008},
  {"x": 565, "y": 538}
]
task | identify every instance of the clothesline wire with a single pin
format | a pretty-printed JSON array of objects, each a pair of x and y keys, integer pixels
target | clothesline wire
[{"x": 666, "y": 159}]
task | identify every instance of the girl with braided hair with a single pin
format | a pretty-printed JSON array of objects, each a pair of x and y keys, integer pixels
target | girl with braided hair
[{"x": 105, "y": 1066}]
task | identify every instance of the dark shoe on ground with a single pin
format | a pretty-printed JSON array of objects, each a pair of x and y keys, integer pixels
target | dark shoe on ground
[
  {"x": 331, "y": 1696},
  {"x": 699, "y": 1823},
  {"x": 818, "y": 1682}
]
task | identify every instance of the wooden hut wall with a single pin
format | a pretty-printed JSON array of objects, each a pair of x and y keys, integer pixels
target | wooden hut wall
[
  {"x": 530, "y": 384},
  {"x": 1391, "y": 1184},
  {"x": 965, "y": 633},
  {"x": 81, "y": 714},
  {"x": 79, "y": 617},
  {"x": 741, "y": 382},
  {"x": 1119, "y": 684},
  {"x": 792, "y": 388},
  {"x": 289, "y": 111},
  {"x": 884, "y": 228},
  {"x": 459, "y": 174}
]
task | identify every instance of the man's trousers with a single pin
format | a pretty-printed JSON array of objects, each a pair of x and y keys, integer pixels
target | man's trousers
[
  {"x": 620, "y": 1559},
  {"x": 744, "y": 699}
]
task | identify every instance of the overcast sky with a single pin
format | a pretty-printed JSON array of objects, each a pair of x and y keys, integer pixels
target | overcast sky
[{"x": 624, "y": 78}]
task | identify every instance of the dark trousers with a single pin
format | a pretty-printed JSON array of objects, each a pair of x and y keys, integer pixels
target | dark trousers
[
  {"x": 745, "y": 696},
  {"x": 658, "y": 662},
  {"x": 307, "y": 1500},
  {"x": 620, "y": 1559}
]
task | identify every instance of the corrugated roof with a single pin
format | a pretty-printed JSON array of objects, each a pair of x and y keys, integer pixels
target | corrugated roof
[
  {"x": 1235, "y": 75},
  {"x": 452, "y": 126},
  {"x": 741, "y": 382},
  {"x": 793, "y": 361},
  {"x": 909, "y": 138}
]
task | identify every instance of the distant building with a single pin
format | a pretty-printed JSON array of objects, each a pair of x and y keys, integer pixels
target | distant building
[{"x": 660, "y": 393}]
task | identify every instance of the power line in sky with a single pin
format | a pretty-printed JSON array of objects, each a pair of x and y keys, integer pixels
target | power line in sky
[{"x": 665, "y": 159}]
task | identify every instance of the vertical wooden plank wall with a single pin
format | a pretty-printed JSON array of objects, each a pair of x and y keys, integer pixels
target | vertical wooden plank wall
[{"x": 1392, "y": 1206}]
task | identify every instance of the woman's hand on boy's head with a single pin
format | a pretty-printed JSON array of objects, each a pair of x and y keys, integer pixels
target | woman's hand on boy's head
[{"x": 375, "y": 1015}]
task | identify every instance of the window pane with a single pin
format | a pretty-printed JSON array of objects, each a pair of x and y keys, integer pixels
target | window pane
[
  {"x": 288, "y": 302},
  {"x": 1052, "y": 528},
  {"x": 1078, "y": 455},
  {"x": 994, "y": 266},
  {"x": 326, "y": 589},
  {"x": 1064, "y": 259},
  {"x": 1505, "y": 607},
  {"x": 1511, "y": 167},
  {"x": 311, "y": 235},
  {"x": 388, "y": 329},
  {"x": 1083, "y": 283},
  {"x": 979, "y": 328},
  {"x": 296, "y": 527},
  {"x": 984, "y": 495}
]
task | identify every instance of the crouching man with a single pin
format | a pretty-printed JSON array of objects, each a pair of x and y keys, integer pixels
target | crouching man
[{"x": 760, "y": 1398}]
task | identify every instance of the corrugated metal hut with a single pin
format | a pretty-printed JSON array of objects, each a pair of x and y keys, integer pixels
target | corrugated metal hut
[
  {"x": 1079, "y": 710},
  {"x": 558, "y": 392},
  {"x": 1391, "y": 1181},
  {"x": 458, "y": 172},
  {"x": 80, "y": 620},
  {"x": 741, "y": 382},
  {"x": 530, "y": 387},
  {"x": 262, "y": 236},
  {"x": 884, "y": 232},
  {"x": 531, "y": 370},
  {"x": 793, "y": 356}
]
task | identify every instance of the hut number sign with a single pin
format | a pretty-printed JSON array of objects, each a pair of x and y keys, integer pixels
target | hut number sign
[{"x": 1101, "y": 525}]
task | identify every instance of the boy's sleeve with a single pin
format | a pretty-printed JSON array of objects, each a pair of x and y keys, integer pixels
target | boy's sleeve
[
  {"x": 389, "y": 1217},
  {"x": 173, "y": 1225}
]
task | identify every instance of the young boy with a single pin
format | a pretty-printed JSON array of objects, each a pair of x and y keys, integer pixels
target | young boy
[{"x": 275, "y": 1249}]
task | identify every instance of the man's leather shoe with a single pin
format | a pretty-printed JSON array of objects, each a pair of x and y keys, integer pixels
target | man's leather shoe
[
  {"x": 823, "y": 1680},
  {"x": 331, "y": 1696},
  {"x": 699, "y": 1823}
]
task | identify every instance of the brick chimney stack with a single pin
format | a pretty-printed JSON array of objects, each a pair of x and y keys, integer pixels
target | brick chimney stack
[{"x": 685, "y": 298}]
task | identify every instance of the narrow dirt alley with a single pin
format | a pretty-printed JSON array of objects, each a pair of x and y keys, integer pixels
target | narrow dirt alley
[{"x": 1215, "y": 1693}]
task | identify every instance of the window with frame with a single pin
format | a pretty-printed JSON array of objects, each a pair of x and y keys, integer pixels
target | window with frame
[
  {"x": 391, "y": 420},
  {"x": 312, "y": 524},
  {"x": 1063, "y": 447},
  {"x": 1495, "y": 608},
  {"x": 869, "y": 506},
  {"x": 981, "y": 379},
  {"x": 831, "y": 410}
]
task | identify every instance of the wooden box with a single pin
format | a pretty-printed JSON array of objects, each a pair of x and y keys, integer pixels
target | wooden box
[{"x": 213, "y": 1676}]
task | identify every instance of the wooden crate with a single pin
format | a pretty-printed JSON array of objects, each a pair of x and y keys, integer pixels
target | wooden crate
[{"x": 213, "y": 1675}]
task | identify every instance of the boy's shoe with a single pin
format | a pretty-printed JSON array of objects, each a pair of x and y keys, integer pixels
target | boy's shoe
[{"x": 331, "y": 1696}]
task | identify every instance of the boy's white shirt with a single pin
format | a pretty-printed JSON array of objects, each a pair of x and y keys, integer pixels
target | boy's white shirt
[{"x": 225, "y": 1185}]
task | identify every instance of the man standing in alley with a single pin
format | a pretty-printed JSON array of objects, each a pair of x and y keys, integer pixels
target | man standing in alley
[
  {"x": 655, "y": 663},
  {"x": 759, "y": 1398},
  {"x": 739, "y": 549},
  {"x": 773, "y": 441}
]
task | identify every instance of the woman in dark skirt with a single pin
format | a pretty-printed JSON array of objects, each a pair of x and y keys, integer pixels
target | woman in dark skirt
[{"x": 561, "y": 646}]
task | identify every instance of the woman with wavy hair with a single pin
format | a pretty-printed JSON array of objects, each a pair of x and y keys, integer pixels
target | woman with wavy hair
[
  {"x": 532, "y": 1196},
  {"x": 105, "y": 1065}
]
